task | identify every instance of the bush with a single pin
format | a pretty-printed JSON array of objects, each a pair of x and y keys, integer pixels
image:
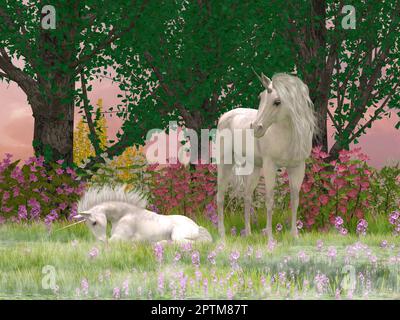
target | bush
[
  {"x": 182, "y": 189},
  {"x": 32, "y": 191},
  {"x": 340, "y": 188},
  {"x": 385, "y": 190}
]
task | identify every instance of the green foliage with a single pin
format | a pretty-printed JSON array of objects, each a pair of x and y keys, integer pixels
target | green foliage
[
  {"x": 188, "y": 66},
  {"x": 385, "y": 189},
  {"x": 31, "y": 191}
]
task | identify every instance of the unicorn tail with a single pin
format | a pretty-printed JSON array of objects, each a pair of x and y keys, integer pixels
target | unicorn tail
[{"x": 204, "y": 235}]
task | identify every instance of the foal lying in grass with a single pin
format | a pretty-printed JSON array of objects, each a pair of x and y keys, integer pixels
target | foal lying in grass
[{"x": 126, "y": 210}]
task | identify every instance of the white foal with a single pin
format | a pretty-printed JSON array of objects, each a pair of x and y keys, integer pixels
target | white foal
[{"x": 131, "y": 221}]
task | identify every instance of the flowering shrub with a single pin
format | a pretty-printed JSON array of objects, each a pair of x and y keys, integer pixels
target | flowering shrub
[
  {"x": 340, "y": 188},
  {"x": 182, "y": 188},
  {"x": 335, "y": 194},
  {"x": 32, "y": 191},
  {"x": 385, "y": 189},
  {"x": 172, "y": 187}
]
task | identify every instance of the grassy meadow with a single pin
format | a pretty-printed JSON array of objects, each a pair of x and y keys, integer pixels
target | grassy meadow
[{"x": 37, "y": 263}]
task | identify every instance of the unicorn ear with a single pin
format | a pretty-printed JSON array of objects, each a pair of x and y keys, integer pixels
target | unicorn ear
[
  {"x": 82, "y": 215},
  {"x": 265, "y": 80}
]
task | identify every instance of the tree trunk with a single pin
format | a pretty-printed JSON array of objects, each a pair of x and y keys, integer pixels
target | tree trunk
[
  {"x": 53, "y": 131},
  {"x": 316, "y": 65},
  {"x": 321, "y": 135},
  {"x": 53, "y": 100}
]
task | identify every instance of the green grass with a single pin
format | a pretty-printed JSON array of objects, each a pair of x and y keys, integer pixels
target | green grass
[{"x": 26, "y": 250}]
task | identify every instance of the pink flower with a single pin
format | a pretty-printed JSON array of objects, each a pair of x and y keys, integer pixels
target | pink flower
[
  {"x": 318, "y": 153},
  {"x": 331, "y": 192},
  {"x": 341, "y": 168},
  {"x": 306, "y": 187},
  {"x": 324, "y": 199},
  {"x": 364, "y": 185},
  {"x": 352, "y": 193},
  {"x": 340, "y": 183},
  {"x": 93, "y": 253}
]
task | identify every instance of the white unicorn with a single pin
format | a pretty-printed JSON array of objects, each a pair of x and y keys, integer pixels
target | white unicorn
[
  {"x": 131, "y": 221},
  {"x": 283, "y": 129}
]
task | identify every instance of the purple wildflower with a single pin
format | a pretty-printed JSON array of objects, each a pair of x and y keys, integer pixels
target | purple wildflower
[
  {"x": 22, "y": 212},
  {"x": 85, "y": 286},
  {"x": 93, "y": 253},
  {"x": 153, "y": 207},
  {"x": 6, "y": 196},
  {"x": 362, "y": 226},
  {"x": 196, "y": 258},
  {"x": 234, "y": 257},
  {"x": 299, "y": 224},
  {"x": 159, "y": 252},
  {"x": 177, "y": 257},
  {"x": 343, "y": 231},
  {"x": 33, "y": 178},
  {"x": 125, "y": 287},
  {"x": 394, "y": 216},
  {"x": 53, "y": 215},
  {"x": 205, "y": 287},
  {"x": 321, "y": 282},
  {"x": 211, "y": 257},
  {"x": 186, "y": 246},
  {"x": 117, "y": 293},
  {"x": 160, "y": 283},
  {"x": 332, "y": 252},
  {"x": 338, "y": 222},
  {"x": 229, "y": 294}
]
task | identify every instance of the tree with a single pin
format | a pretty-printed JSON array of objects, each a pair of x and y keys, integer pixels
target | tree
[
  {"x": 350, "y": 72},
  {"x": 55, "y": 58},
  {"x": 196, "y": 64}
]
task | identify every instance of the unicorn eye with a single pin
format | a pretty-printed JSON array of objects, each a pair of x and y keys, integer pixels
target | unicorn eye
[
  {"x": 94, "y": 223},
  {"x": 277, "y": 103}
]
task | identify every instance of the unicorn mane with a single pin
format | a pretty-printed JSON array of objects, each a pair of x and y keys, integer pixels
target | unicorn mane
[
  {"x": 97, "y": 195},
  {"x": 294, "y": 91}
]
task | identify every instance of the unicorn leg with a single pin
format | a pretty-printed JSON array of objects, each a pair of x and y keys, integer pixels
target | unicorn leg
[
  {"x": 184, "y": 233},
  {"x": 250, "y": 185},
  {"x": 269, "y": 170},
  {"x": 224, "y": 174},
  {"x": 296, "y": 176}
]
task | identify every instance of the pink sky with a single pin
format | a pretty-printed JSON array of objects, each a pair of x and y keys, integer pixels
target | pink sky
[{"x": 381, "y": 143}]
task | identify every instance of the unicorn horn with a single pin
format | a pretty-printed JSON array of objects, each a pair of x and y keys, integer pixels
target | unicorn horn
[
  {"x": 258, "y": 76},
  {"x": 70, "y": 225}
]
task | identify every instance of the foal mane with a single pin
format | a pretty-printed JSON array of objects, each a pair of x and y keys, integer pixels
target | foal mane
[
  {"x": 97, "y": 195},
  {"x": 295, "y": 94}
]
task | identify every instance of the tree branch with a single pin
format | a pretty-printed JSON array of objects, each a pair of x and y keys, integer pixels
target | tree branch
[
  {"x": 15, "y": 74},
  {"x": 377, "y": 112},
  {"x": 13, "y": 26},
  {"x": 112, "y": 36},
  {"x": 94, "y": 138}
]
